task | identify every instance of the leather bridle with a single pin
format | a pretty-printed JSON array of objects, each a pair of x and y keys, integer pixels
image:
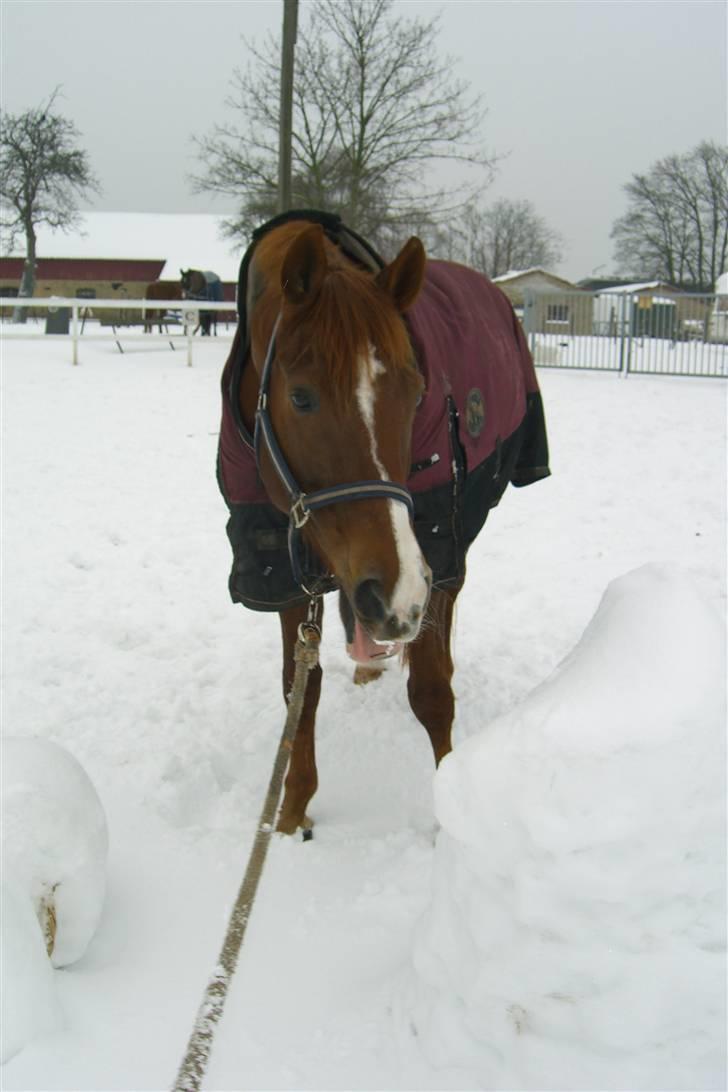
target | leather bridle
[{"x": 301, "y": 504}]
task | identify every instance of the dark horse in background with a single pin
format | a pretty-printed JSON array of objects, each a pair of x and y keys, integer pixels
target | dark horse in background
[
  {"x": 202, "y": 285},
  {"x": 390, "y": 404},
  {"x": 159, "y": 290}
]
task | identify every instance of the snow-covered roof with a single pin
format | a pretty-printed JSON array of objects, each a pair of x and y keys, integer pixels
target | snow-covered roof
[
  {"x": 185, "y": 240},
  {"x": 515, "y": 274},
  {"x": 627, "y": 289}
]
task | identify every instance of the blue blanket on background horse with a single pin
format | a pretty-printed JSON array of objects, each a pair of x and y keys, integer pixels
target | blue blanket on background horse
[
  {"x": 213, "y": 286},
  {"x": 479, "y": 426},
  {"x": 198, "y": 284}
]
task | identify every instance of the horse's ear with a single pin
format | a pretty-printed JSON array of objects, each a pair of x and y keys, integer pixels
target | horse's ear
[
  {"x": 304, "y": 266},
  {"x": 403, "y": 277}
]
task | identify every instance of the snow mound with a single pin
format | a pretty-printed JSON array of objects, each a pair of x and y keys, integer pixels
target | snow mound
[
  {"x": 577, "y": 923},
  {"x": 54, "y": 841},
  {"x": 29, "y": 1006}
]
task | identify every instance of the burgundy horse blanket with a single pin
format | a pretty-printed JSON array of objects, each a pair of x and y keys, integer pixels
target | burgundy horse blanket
[{"x": 479, "y": 426}]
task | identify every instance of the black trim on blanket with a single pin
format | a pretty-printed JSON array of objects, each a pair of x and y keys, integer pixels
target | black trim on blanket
[{"x": 533, "y": 458}]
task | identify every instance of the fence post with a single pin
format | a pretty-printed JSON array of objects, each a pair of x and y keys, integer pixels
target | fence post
[
  {"x": 74, "y": 332},
  {"x": 191, "y": 319},
  {"x": 625, "y": 340},
  {"x": 529, "y": 304}
]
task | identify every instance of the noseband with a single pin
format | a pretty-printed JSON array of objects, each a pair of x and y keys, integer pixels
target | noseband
[{"x": 301, "y": 504}]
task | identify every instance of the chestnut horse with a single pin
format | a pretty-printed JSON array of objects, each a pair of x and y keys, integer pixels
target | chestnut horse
[
  {"x": 329, "y": 372},
  {"x": 159, "y": 290}
]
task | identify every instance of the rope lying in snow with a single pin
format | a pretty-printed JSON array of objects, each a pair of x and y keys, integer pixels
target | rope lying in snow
[{"x": 199, "y": 1047}]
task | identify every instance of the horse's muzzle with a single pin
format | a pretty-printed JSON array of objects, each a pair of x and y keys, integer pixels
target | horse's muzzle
[{"x": 374, "y": 611}]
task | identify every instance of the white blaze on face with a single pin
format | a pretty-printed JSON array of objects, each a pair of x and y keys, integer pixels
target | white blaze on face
[{"x": 411, "y": 588}]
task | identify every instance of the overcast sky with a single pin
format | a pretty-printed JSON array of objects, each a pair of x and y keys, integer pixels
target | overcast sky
[{"x": 579, "y": 94}]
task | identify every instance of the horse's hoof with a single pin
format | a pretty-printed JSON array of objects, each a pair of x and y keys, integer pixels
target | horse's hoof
[
  {"x": 288, "y": 826},
  {"x": 364, "y": 675}
]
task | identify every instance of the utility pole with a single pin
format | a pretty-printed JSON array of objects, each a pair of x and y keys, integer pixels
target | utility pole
[{"x": 285, "y": 133}]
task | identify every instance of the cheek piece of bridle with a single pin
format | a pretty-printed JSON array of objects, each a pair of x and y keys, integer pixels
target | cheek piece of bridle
[{"x": 301, "y": 504}]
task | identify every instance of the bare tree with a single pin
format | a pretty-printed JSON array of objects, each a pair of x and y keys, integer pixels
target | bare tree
[
  {"x": 375, "y": 110},
  {"x": 42, "y": 174},
  {"x": 676, "y": 226},
  {"x": 506, "y": 235}
]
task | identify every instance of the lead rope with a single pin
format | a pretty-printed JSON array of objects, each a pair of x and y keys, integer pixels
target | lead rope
[{"x": 199, "y": 1047}]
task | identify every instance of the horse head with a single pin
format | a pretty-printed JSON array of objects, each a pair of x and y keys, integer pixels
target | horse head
[{"x": 341, "y": 402}]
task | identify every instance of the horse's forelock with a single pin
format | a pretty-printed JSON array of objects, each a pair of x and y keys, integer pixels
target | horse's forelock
[{"x": 349, "y": 317}]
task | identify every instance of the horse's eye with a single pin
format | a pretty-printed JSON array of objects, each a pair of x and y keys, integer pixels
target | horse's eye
[{"x": 304, "y": 400}]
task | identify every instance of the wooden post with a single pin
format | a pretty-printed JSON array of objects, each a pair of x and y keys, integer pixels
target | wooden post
[
  {"x": 74, "y": 332},
  {"x": 288, "y": 48}
]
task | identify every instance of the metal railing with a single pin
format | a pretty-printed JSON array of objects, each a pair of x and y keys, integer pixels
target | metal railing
[
  {"x": 121, "y": 321},
  {"x": 631, "y": 333},
  {"x": 617, "y": 332}
]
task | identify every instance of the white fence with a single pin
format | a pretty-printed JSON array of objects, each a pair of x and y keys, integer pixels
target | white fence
[
  {"x": 121, "y": 321},
  {"x": 564, "y": 331},
  {"x": 652, "y": 334}
]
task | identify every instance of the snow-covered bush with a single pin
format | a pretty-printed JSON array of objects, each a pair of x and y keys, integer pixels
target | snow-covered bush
[
  {"x": 576, "y": 934},
  {"x": 54, "y": 842}
]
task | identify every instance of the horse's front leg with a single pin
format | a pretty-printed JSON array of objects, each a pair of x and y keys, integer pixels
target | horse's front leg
[
  {"x": 430, "y": 671},
  {"x": 302, "y": 778}
]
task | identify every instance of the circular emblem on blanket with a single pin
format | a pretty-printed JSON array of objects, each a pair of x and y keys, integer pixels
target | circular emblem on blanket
[{"x": 474, "y": 412}]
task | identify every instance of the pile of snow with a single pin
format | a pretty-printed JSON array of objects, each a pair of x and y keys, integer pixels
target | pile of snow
[
  {"x": 576, "y": 935},
  {"x": 54, "y": 848},
  {"x": 54, "y": 842},
  {"x": 29, "y": 1005}
]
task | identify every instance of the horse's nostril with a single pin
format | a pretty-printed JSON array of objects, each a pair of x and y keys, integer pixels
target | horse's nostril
[{"x": 369, "y": 600}]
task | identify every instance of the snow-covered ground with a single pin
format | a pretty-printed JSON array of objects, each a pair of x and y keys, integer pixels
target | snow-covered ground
[{"x": 565, "y": 929}]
